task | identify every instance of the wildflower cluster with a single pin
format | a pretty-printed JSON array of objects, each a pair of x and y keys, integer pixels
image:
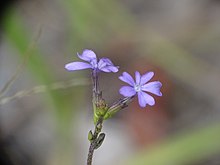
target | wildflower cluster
[{"x": 140, "y": 87}]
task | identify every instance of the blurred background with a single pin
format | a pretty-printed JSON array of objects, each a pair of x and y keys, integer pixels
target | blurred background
[{"x": 46, "y": 112}]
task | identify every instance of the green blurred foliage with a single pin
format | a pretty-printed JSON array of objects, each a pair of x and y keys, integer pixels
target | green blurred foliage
[{"x": 186, "y": 148}]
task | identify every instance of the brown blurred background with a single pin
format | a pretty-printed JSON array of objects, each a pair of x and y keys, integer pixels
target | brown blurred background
[{"x": 48, "y": 123}]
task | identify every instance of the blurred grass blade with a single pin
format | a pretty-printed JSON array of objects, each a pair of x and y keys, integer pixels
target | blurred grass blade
[
  {"x": 16, "y": 33},
  {"x": 21, "y": 66},
  {"x": 182, "y": 149},
  {"x": 45, "y": 88}
]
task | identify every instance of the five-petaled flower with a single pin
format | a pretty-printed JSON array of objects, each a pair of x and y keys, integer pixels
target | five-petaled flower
[
  {"x": 103, "y": 64},
  {"x": 140, "y": 86}
]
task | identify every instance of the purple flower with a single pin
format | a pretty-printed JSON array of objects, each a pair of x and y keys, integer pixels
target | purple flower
[
  {"x": 104, "y": 64},
  {"x": 140, "y": 86}
]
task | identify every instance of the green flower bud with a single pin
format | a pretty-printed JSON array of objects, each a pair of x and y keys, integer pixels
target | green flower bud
[
  {"x": 99, "y": 140},
  {"x": 90, "y": 136}
]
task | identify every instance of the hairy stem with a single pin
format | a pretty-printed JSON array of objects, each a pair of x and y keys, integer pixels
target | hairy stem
[{"x": 94, "y": 141}]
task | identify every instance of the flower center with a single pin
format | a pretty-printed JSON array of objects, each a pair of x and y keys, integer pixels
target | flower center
[
  {"x": 94, "y": 63},
  {"x": 137, "y": 88}
]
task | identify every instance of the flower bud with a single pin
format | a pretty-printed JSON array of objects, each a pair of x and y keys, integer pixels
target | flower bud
[
  {"x": 99, "y": 140},
  {"x": 90, "y": 136}
]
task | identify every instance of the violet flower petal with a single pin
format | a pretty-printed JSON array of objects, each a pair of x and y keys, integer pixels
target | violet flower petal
[
  {"x": 102, "y": 63},
  {"x": 153, "y": 87},
  {"x": 144, "y": 99},
  {"x": 110, "y": 69},
  {"x": 126, "y": 77},
  {"x": 87, "y": 55},
  {"x": 146, "y": 77},
  {"x": 107, "y": 61},
  {"x": 77, "y": 66},
  {"x": 137, "y": 77},
  {"x": 106, "y": 65},
  {"x": 127, "y": 91}
]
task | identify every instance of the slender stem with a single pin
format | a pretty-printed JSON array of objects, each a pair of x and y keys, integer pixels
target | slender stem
[
  {"x": 96, "y": 92},
  {"x": 92, "y": 147},
  {"x": 97, "y": 138},
  {"x": 90, "y": 155},
  {"x": 95, "y": 82}
]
